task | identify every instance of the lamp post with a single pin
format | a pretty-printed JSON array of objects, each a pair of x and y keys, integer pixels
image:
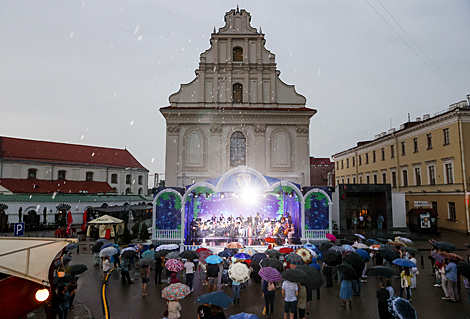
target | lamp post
[{"x": 129, "y": 210}]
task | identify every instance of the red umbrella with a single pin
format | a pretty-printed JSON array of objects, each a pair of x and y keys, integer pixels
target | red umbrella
[
  {"x": 286, "y": 250},
  {"x": 203, "y": 255},
  {"x": 69, "y": 223},
  {"x": 331, "y": 237},
  {"x": 203, "y": 249},
  {"x": 85, "y": 217},
  {"x": 270, "y": 240}
]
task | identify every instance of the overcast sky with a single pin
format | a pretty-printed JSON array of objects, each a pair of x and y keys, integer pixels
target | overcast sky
[{"x": 97, "y": 72}]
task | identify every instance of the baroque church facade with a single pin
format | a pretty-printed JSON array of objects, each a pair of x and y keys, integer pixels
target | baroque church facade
[{"x": 237, "y": 112}]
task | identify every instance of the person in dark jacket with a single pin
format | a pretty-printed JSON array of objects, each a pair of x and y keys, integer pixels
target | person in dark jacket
[
  {"x": 213, "y": 275},
  {"x": 269, "y": 297},
  {"x": 158, "y": 270},
  {"x": 382, "y": 296}
]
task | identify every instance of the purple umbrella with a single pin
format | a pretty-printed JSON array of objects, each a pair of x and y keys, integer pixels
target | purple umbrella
[
  {"x": 270, "y": 274},
  {"x": 242, "y": 256}
]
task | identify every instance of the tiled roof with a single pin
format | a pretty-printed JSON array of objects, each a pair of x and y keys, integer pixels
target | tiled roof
[
  {"x": 41, "y": 186},
  {"x": 69, "y": 198},
  {"x": 42, "y": 151}
]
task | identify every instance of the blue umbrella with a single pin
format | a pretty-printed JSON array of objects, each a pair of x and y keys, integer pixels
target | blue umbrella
[
  {"x": 102, "y": 240},
  {"x": 364, "y": 254},
  {"x": 404, "y": 262},
  {"x": 242, "y": 256},
  {"x": 348, "y": 248},
  {"x": 312, "y": 247},
  {"x": 107, "y": 245},
  {"x": 225, "y": 253},
  {"x": 213, "y": 259},
  {"x": 373, "y": 242},
  {"x": 217, "y": 298},
  {"x": 70, "y": 247},
  {"x": 243, "y": 315},
  {"x": 148, "y": 253}
]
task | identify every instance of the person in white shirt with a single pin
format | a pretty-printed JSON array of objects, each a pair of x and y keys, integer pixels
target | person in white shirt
[
  {"x": 414, "y": 271},
  {"x": 189, "y": 268},
  {"x": 106, "y": 268}
]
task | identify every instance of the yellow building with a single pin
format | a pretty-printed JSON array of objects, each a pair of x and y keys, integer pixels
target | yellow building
[{"x": 426, "y": 159}]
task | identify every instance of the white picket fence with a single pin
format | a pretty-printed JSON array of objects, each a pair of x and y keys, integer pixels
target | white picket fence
[
  {"x": 168, "y": 234},
  {"x": 316, "y": 235}
]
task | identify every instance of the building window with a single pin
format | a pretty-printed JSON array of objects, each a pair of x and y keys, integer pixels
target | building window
[
  {"x": 360, "y": 160},
  {"x": 367, "y": 179},
  {"x": 451, "y": 206},
  {"x": 237, "y": 93},
  {"x": 89, "y": 176},
  {"x": 418, "y": 176},
  {"x": 432, "y": 175},
  {"x": 360, "y": 179},
  {"x": 342, "y": 164},
  {"x": 403, "y": 148},
  {"x": 354, "y": 161},
  {"x": 347, "y": 163},
  {"x": 367, "y": 158},
  {"x": 32, "y": 173},
  {"x": 449, "y": 173},
  {"x": 446, "y": 136},
  {"x": 354, "y": 179},
  {"x": 115, "y": 190},
  {"x": 392, "y": 151},
  {"x": 237, "y": 54},
  {"x": 429, "y": 139},
  {"x": 337, "y": 181},
  {"x": 141, "y": 179},
  {"x": 347, "y": 180},
  {"x": 237, "y": 149},
  {"x": 114, "y": 178},
  {"x": 375, "y": 178},
  {"x": 434, "y": 206},
  {"x": 405, "y": 178},
  {"x": 373, "y": 156},
  {"x": 61, "y": 175},
  {"x": 140, "y": 191},
  {"x": 383, "y": 154},
  {"x": 342, "y": 180},
  {"x": 415, "y": 144},
  {"x": 128, "y": 179},
  {"x": 394, "y": 179},
  {"x": 128, "y": 191},
  {"x": 384, "y": 178}
]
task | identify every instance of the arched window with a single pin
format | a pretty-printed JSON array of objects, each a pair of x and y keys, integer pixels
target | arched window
[
  {"x": 141, "y": 191},
  {"x": 237, "y": 149},
  {"x": 237, "y": 54},
  {"x": 237, "y": 93},
  {"x": 115, "y": 189},
  {"x": 128, "y": 191}
]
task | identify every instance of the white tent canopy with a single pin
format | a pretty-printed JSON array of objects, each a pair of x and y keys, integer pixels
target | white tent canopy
[
  {"x": 30, "y": 258},
  {"x": 106, "y": 220}
]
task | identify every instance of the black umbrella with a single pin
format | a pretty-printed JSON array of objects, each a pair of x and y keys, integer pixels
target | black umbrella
[
  {"x": 346, "y": 241},
  {"x": 272, "y": 262},
  {"x": 326, "y": 246},
  {"x": 129, "y": 254},
  {"x": 464, "y": 269},
  {"x": 332, "y": 258},
  {"x": 356, "y": 261},
  {"x": 294, "y": 275},
  {"x": 313, "y": 274},
  {"x": 77, "y": 269},
  {"x": 232, "y": 251},
  {"x": 388, "y": 254},
  {"x": 225, "y": 253},
  {"x": 348, "y": 271},
  {"x": 383, "y": 240},
  {"x": 256, "y": 258},
  {"x": 410, "y": 250},
  {"x": 64, "y": 261},
  {"x": 382, "y": 271},
  {"x": 162, "y": 253},
  {"x": 273, "y": 253},
  {"x": 63, "y": 280},
  {"x": 444, "y": 245},
  {"x": 96, "y": 247},
  {"x": 189, "y": 255}
]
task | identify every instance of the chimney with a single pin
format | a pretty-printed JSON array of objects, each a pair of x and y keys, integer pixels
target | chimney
[{"x": 426, "y": 117}]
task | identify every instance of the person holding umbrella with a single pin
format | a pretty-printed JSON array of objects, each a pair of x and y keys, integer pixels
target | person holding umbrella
[
  {"x": 189, "y": 268},
  {"x": 144, "y": 275},
  {"x": 174, "y": 308},
  {"x": 158, "y": 269},
  {"x": 106, "y": 267},
  {"x": 405, "y": 282},
  {"x": 270, "y": 276},
  {"x": 382, "y": 296},
  {"x": 125, "y": 271},
  {"x": 346, "y": 291}
]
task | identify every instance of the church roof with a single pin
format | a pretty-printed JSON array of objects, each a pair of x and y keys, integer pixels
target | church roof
[
  {"x": 44, "y": 151},
  {"x": 264, "y": 109},
  {"x": 40, "y": 186}
]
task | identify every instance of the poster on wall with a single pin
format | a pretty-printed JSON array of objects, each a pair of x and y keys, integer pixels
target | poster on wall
[{"x": 425, "y": 220}]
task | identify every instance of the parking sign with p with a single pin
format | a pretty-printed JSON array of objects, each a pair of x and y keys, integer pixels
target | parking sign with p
[{"x": 19, "y": 229}]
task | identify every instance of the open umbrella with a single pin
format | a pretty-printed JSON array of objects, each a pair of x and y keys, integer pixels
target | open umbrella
[
  {"x": 203, "y": 255},
  {"x": 326, "y": 246},
  {"x": 360, "y": 246},
  {"x": 189, "y": 255},
  {"x": 64, "y": 260},
  {"x": 175, "y": 291},
  {"x": 270, "y": 240},
  {"x": 242, "y": 256},
  {"x": 331, "y": 237},
  {"x": 401, "y": 309},
  {"x": 313, "y": 275},
  {"x": 256, "y": 258},
  {"x": 444, "y": 245},
  {"x": 364, "y": 254},
  {"x": 62, "y": 280},
  {"x": 201, "y": 249},
  {"x": 332, "y": 258},
  {"x": 396, "y": 243},
  {"x": 338, "y": 249},
  {"x": 70, "y": 247},
  {"x": 250, "y": 251},
  {"x": 77, "y": 269},
  {"x": 272, "y": 262},
  {"x": 404, "y": 262},
  {"x": 273, "y": 253},
  {"x": 101, "y": 240},
  {"x": 451, "y": 256},
  {"x": 106, "y": 246},
  {"x": 234, "y": 245},
  {"x": 383, "y": 240},
  {"x": 373, "y": 241},
  {"x": 360, "y": 236},
  {"x": 404, "y": 240},
  {"x": 173, "y": 255},
  {"x": 294, "y": 275},
  {"x": 168, "y": 247},
  {"x": 312, "y": 247},
  {"x": 410, "y": 250},
  {"x": 147, "y": 261},
  {"x": 347, "y": 270},
  {"x": 356, "y": 261},
  {"x": 374, "y": 247},
  {"x": 348, "y": 248},
  {"x": 239, "y": 272},
  {"x": 225, "y": 253},
  {"x": 464, "y": 269},
  {"x": 243, "y": 315},
  {"x": 96, "y": 247},
  {"x": 382, "y": 271},
  {"x": 438, "y": 257},
  {"x": 388, "y": 254},
  {"x": 129, "y": 254},
  {"x": 213, "y": 259},
  {"x": 162, "y": 253},
  {"x": 286, "y": 250},
  {"x": 270, "y": 274},
  {"x": 217, "y": 298},
  {"x": 305, "y": 254},
  {"x": 294, "y": 259},
  {"x": 108, "y": 251},
  {"x": 174, "y": 265},
  {"x": 344, "y": 241},
  {"x": 148, "y": 254}
]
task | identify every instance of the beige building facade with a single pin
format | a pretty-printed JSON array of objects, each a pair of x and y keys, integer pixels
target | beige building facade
[{"x": 427, "y": 159}]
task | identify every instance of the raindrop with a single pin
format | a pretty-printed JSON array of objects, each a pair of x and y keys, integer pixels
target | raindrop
[
  {"x": 319, "y": 71},
  {"x": 132, "y": 123},
  {"x": 82, "y": 137},
  {"x": 54, "y": 195},
  {"x": 93, "y": 154},
  {"x": 139, "y": 38},
  {"x": 136, "y": 29},
  {"x": 153, "y": 159}
]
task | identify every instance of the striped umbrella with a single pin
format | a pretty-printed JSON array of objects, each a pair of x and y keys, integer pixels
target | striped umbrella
[
  {"x": 234, "y": 245},
  {"x": 175, "y": 291},
  {"x": 270, "y": 274},
  {"x": 294, "y": 259},
  {"x": 174, "y": 265}
]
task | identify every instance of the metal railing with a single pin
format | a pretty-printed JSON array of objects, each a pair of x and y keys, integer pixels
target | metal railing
[
  {"x": 316, "y": 234},
  {"x": 168, "y": 234}
]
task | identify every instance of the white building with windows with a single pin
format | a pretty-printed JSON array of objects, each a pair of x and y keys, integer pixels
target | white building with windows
[{"x": 237, "y": 112}]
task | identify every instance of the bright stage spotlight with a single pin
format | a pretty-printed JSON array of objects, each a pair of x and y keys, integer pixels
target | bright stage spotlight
[{"x": 250, "y": 196}]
